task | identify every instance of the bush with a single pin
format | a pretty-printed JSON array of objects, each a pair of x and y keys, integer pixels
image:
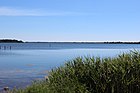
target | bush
[{"x": 93, "y": 75}]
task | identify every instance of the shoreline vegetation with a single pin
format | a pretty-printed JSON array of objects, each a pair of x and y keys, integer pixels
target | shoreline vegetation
[
  {"x": 20, "y": 41},
  {"x": 120, "y": 74},
  {"x": 10, "y": 41}
]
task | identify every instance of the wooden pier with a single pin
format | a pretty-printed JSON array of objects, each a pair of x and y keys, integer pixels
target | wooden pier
[{"x": 5, "y": 47}]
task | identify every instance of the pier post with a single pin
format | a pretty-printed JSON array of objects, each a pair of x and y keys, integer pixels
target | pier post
[
  {"x": 4, "y": 47},
  {"x": 10, "y": 47}
]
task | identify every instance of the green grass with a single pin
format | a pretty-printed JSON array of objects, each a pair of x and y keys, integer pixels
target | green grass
[{"x": 120, "y": 74}]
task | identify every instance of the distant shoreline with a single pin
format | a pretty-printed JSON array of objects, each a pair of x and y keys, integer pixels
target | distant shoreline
[
  {"x": 20, "y": 41},
  {"x": 90, "y": 42},
  {"x": 10, "y": 41}
]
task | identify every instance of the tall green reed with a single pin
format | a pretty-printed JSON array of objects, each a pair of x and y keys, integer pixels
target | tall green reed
[{"x": 120, "y": 74}]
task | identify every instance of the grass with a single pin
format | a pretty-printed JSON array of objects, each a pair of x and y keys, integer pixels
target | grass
[{"x": 120, "y": 74}]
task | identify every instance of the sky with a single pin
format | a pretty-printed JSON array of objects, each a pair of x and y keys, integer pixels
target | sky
[{"x": 70, "y": 20}]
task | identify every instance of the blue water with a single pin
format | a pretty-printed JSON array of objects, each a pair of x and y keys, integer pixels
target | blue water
[{"x": 26, "y": 62}]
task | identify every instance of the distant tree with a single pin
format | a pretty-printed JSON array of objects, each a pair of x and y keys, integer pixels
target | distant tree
[{"x": 10, "y": 41}]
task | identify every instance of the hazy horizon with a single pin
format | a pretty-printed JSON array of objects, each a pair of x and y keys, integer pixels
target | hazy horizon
[{"x": 70, "y": 20}]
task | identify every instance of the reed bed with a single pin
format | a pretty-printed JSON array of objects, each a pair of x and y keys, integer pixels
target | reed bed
[{"x": 120, "y": 74}]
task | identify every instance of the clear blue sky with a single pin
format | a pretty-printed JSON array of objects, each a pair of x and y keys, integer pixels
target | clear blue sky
[{"x": 70, "y": 20}]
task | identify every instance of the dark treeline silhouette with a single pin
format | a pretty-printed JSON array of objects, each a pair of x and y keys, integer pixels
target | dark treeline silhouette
[
  {"x": 89, "y": 42},
  {"x": 121, "y": 42},
  {"x": 20, "y": 41},
  {"x": 10, "y": 41}
]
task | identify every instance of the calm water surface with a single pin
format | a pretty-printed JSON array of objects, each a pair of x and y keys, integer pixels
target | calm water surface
[{"x": 26, "y": 62}]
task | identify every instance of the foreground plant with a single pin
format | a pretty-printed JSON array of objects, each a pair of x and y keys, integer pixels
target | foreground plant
[{"x": 92, "y": 75}]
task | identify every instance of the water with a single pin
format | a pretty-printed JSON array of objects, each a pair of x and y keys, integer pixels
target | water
[{"x": 26, "y": 62}]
